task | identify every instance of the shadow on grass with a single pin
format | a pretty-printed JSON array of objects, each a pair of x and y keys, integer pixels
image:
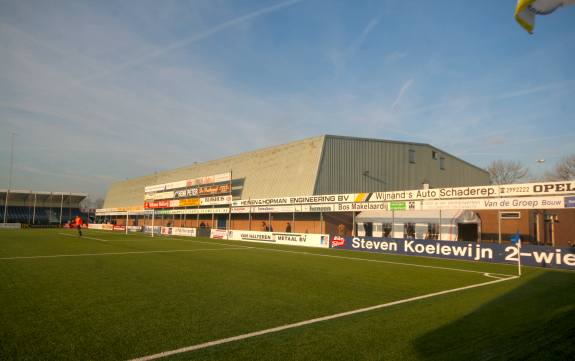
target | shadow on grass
[{"x": 535, "y": 321}]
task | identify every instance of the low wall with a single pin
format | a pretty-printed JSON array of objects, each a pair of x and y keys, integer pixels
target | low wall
[{"x": 10, "y": 225}]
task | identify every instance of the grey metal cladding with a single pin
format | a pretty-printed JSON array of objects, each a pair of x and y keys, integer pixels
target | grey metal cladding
[
  {"x": 319, "y": 165},
  {"x": 351, "y": 165}
]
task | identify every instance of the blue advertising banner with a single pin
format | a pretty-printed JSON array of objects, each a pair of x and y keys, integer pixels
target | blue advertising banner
[{"x": 531, "y": 255}]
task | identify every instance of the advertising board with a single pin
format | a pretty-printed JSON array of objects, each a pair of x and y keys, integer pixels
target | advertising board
[
  {"x": 276, "y": 209},
  {"x": 10, "y": 225},
  {"x": 218, "y": 233},
  {"x": 149, "y": 229},
  {"x": 214, "y": 190},
  {"x": 216, "y": 200},
  {"x": 216, "y": 178},
  {"x": 293, "y": 239},
  {"x": 531, "y": 255},
  {"x": 190, "y": 202},
  {"x": 495, "y": 191},
  {"x": 497, "y": 203},
  {"x": 181, "y": 231},
  {"x": 178, "y": 231}
]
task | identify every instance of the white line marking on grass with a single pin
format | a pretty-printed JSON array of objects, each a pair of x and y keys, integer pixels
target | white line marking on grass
[
  {"x": 312, "y": 321},
  {"x": 92, "y": 230},
  {"x": 122, "y": 253},
  {"x": 178, "y": 238},
  {"x": 380, "y": 261},
  {"x": 76, "y": 236},
  {"x": 493, "y": 275}
]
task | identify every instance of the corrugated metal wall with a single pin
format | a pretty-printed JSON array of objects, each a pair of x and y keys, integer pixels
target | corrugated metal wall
[
  {"x": 351, "y": 165},
  {"x": 319, "y": 165}
]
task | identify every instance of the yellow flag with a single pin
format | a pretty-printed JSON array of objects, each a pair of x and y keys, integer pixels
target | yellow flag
[{"x": 526, "y": 10}]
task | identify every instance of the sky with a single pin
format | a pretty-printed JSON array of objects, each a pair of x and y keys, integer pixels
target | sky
[{"x": 97, "y": 92}]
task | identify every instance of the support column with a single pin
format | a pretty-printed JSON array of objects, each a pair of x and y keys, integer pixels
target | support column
[
  {"x": 61, "y": 205},
  {"x": 499, "y": 225}
]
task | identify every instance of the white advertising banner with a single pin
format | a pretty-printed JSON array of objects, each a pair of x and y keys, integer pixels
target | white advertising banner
[
  {"x": 181, "y": 231},
  {"x": 293, "y": 239},
  {"x": 345, "y": 207},
  {"x": 132, "y": 210},
  {"x": 217, "y": 178},
  {"x": 106, "y": 227},
  {"x": 371, "y": 206},
  {"x": 187, "y": 192},
  {"x": 497, "y": 203},
  {"x": 329, "y": 198},
  {"x": 276, "y": 209},
  {"x": 495, "y": 191},
  {"x": 178, "y": 231},
  {"x": 160, "y": 195},
  {"x": 10, "y": 225},
  {"x": 155, "y": 188},
  {"x": 218, "y": 233},
  {"x": 176, "y": 185},
  {"x": 195, "y": 211},
  {"x": 216, "y": 200}
]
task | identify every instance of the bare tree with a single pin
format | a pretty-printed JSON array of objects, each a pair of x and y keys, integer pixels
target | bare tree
[
  {"x": 564, "y": 169},
  {"x": 505, "y": 172},
  {"x": 90, "y": 203},
  {"x": 99, "y": 203}
]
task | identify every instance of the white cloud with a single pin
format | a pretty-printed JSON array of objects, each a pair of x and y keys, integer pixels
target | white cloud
[{"x": 401, "y": 93}]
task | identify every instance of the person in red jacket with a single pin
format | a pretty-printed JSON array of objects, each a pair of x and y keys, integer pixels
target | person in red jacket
[{"x": 78, "y": 221}]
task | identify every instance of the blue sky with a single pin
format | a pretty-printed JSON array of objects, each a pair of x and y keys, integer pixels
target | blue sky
[{"x": 98, "y": 92}]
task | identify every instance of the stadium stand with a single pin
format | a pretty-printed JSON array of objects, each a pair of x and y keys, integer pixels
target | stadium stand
[{"x": 40, "y": 208}]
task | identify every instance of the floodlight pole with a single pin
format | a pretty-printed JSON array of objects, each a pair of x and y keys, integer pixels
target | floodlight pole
[{"x": 9, "y": 174}]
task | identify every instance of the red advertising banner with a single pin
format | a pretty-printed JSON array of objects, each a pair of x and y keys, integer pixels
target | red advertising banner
[{"x": 158, "y": 204}]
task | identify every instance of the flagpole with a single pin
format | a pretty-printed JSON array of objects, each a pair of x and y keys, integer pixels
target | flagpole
[
  {"x": 519, "y": 256},
  {"x": 516, "y": 240}
]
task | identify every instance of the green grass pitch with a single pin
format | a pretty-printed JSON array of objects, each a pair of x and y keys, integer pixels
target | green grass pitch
[{"x": 111, "y": 296}]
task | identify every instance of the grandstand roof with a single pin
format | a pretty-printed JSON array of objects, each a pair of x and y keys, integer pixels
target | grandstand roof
[
  {"x": 26, "y": 197},
  {"x": 325, "y": 164}
]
